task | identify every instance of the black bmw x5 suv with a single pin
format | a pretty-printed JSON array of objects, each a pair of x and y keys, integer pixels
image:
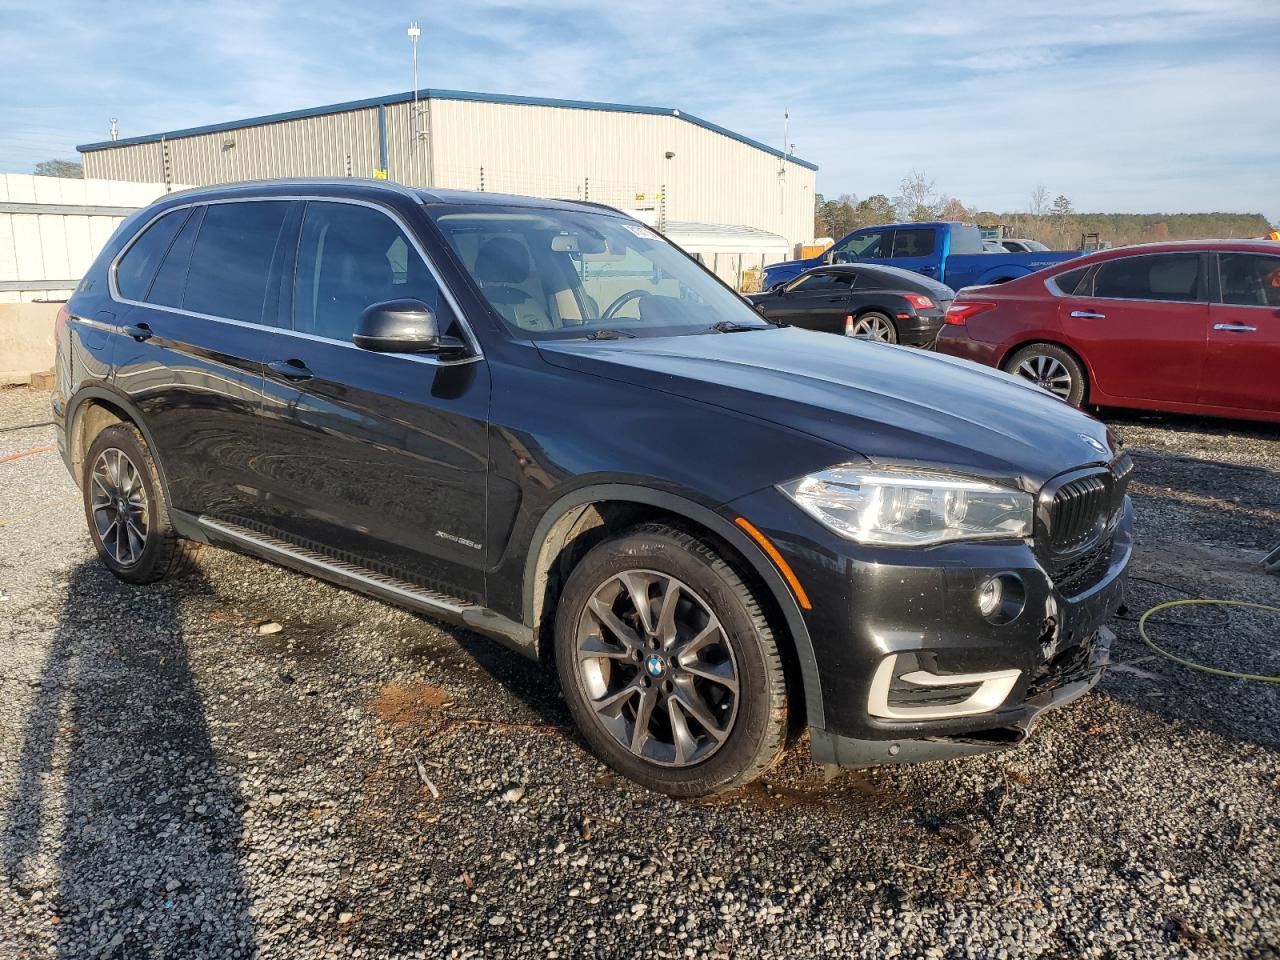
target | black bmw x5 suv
[{"x": 540, "y": 420}]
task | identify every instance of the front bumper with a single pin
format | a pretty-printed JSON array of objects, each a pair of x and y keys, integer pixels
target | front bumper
[
  {"x": 873, "y": 604},
  {"x": 1062, "y": 688}
]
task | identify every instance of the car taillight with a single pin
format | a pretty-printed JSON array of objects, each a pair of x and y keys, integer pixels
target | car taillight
[
  {"x": 918, "y": 300},
  {"x": 959, "y": 313},
  {"x": 60, "y": 322}
]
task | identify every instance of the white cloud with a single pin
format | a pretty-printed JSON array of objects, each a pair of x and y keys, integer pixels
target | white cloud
[{"x": 1142, "y": 105}]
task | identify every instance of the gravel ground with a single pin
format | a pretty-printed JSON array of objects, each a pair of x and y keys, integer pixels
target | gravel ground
[{"x": 174, "y": 783}]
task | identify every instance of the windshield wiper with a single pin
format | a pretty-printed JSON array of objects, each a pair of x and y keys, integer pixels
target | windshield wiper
[
  {"x": 732, "y": 326},
  {"x": 610, "y": 335}
]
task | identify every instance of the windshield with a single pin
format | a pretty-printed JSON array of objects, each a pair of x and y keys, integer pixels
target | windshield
[{"x": 560, "y": 274}]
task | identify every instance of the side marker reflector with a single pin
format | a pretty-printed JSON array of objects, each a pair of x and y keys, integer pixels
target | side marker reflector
[{"x": 783, "y": 567}]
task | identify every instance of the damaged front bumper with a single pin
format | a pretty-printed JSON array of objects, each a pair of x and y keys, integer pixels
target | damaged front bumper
[{"x": 1088, "y": 661}]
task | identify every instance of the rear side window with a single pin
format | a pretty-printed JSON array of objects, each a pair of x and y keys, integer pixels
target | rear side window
[
  {"x": 1250, "y": 279},
  {"x": 915, "y": 242},
  {"x": 350, "y": 257},
  {"x": 1164, "y": 276},
  {"x": 231, "y": 259},
  {"x": 1069, "y": 282},
  {"x": 138, "y": 266},
  {"x": 171, "y": 280}
]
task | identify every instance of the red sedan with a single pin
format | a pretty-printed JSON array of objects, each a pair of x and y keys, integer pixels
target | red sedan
[{"x": 1189, "y": 327}]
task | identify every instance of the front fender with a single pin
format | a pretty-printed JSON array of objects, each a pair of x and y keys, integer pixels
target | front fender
[{"x": 718, "y": 524}]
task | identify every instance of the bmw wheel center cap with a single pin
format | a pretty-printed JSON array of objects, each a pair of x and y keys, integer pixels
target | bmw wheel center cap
[{"x": 655, "y": 666}]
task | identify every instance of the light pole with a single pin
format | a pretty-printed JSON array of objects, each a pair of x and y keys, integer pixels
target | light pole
[{"x": 415, "y": 32}]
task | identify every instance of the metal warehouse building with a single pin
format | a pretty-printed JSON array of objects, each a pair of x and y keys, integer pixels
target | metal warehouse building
[{"x": 669, "y": 166}]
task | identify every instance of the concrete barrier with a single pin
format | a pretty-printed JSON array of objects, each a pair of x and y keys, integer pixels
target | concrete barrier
[{"x": 26, "y": 340}]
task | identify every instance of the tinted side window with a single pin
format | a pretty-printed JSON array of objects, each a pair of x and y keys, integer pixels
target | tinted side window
[
  {"x": 348, "y": 258},
  {"x": 861, "y": 246},
  {"x": 813, "y": 283},
  {"x": 1165, "y": 276},
  {"x": 1250, "y": 279},
  {"x": 138, "y": 266},
  {"x": 917, "y": 242},
  {"x": 171, "y": 279},
  {"x": 231, "y": 259},
  {"x": 1069, "y": 282}
]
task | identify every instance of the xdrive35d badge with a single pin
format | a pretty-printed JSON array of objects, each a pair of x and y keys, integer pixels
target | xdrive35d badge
[{"x": 541, "y": 421}]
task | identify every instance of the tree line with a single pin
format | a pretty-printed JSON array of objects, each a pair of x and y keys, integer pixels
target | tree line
[{"x": 1054, "y": 223}]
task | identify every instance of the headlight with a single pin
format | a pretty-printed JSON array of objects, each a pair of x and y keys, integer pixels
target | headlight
[{"x": 905, "y": 509}]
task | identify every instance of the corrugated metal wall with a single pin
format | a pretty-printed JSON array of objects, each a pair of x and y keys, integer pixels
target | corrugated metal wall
[{"x": 608, "y": 156}]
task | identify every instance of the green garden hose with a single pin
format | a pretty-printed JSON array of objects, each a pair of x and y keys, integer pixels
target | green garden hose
[{"x": 1142, "y": 632}]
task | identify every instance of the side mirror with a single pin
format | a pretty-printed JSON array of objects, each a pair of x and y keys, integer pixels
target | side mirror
[
  {"x": 829, "y": 257},
  {"x": 779, "y": 287},
  {"x": 402, "y": 326}
]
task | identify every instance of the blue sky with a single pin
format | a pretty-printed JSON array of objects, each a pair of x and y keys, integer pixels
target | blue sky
[{"x": 1135, "y": 106}]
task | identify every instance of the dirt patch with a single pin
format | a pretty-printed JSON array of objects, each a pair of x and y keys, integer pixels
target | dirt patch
[
  {"x": 848, "y": 789},
  {"x": 414, "y": 704}
]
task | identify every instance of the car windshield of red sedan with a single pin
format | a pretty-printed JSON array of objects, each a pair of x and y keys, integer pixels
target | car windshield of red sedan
[{"x": 569, "y": 274}]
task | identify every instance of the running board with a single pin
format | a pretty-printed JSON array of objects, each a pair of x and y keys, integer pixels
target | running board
[{"x": 363, "y": 580}]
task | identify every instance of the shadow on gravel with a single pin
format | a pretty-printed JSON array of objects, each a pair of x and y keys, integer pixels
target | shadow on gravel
[{"x": 148, "y": 847}]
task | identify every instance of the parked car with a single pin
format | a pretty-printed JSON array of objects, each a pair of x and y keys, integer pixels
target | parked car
[
  {"x": 542, "y": 421},
  {"x": 950, "y": 253},
  {"x": 1183, "y": 327},
  {"x": 992, "y": 246},
  {"x": 864, "y": 301},
  {"x": 1021, "y": 245}
]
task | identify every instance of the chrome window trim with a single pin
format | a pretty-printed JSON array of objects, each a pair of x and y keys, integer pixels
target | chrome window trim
[{"x": 472, "y": 342}]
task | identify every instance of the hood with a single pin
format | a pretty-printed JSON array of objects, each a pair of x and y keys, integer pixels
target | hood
[{"x": 891, "y": 405}]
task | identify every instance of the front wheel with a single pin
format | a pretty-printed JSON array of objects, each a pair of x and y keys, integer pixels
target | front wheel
[
  {"x": 669, "y": 666},
  {"x": 1051, "y": 368}
]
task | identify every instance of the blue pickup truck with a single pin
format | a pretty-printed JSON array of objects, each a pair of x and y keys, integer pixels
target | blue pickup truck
[{"x": 948, "y": 252}]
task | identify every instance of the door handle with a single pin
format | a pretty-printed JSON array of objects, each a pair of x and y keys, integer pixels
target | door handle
[
  {"x": 1088, "y": 315},
  {"x": 1235, "y": 327},
  {"x": 139, "y": 331},
  {"x": 293, "y": 369}
]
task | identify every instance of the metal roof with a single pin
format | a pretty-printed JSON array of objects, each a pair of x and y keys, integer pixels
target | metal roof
[{"x": 464, "y": 95}]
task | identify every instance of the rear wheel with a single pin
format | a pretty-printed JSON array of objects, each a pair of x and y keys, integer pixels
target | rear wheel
[
  {"x": 874, "y": 326},
  {"x": 1051, "y": 368},
  {"x": 668, "y": 665},
  {"x": 128, "y": 515}
]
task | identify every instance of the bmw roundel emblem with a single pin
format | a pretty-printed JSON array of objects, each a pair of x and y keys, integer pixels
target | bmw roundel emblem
[
  {"x": 655, "y": 666},
  {"x": 1093, "y": 443}
]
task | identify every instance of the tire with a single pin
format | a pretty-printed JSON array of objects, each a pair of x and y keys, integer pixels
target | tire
[
  {"x": 874, "y": 325},
  {"x": 1051, "y": 368},
  {"x": 121, "y": 481},
  {"x": 683, "y": 665}
]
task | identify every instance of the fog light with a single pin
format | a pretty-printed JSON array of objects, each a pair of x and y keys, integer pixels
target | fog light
[
  {"x": 989, "y": 596},
  {"x": 1001, "y": 598}
]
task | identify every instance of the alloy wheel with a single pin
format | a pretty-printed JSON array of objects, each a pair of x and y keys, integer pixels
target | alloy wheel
[
  {"x": 656, "y": 667},
  {"x": 872, "y": 328},
  {"x": 119, "y": 506},
  {"x": 1048, "y": 373}
]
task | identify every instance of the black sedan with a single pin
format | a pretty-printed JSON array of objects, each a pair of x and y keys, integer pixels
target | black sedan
[{"x": 861, "y": 300}]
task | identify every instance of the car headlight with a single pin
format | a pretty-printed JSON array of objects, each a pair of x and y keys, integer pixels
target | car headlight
[{"x": 907, "y": 509}]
